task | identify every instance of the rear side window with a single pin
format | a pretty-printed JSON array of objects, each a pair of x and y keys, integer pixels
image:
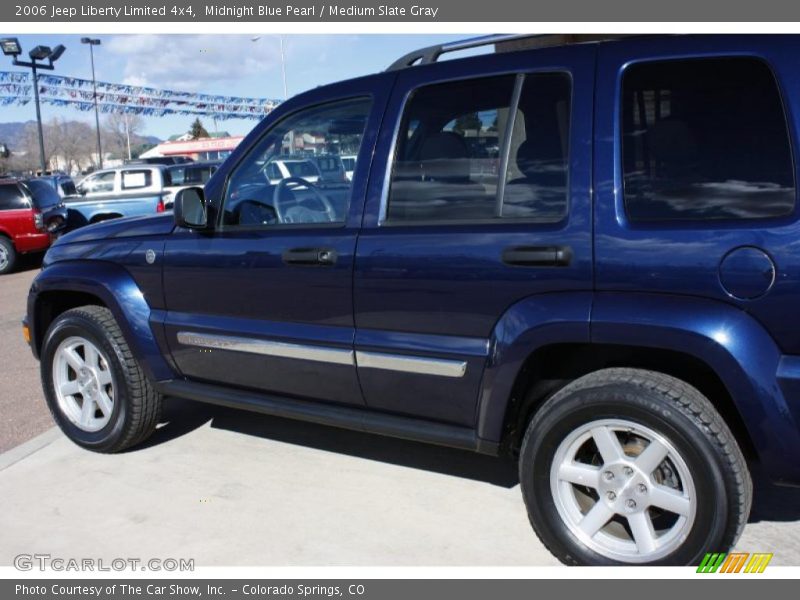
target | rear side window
[
  {"x": 198, "y": 175},
  {"x": 452, "y": 143},
  {"x": 11, "y": 197},
  {"x": 43, "y": 194},
  {"x": 132, "y": 180},
  {"x": 68, "y": 187},
  {"x": 705, "y": 139}
]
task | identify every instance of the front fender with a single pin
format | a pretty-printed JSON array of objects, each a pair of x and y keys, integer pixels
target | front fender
[
  {"x": 734, "y": 345},
  {"x": 115, "y": 287}
]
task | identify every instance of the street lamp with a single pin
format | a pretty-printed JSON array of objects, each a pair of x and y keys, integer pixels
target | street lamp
[
  {"x": 11, "y": 47},
  {"x": 92, "y": 43}
]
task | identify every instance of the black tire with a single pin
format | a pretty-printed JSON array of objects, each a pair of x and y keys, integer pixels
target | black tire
[
  {"x": 11, "y": 255},
  {"x": 136, "y": 407},
  {"x": 666, "y": 405}
]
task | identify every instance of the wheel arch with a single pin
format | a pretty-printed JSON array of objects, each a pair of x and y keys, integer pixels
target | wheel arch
[
  {"x": 69, "y": 284},
  {"x": 99, "y": 218},
  {"x": 714, "y": 346}
]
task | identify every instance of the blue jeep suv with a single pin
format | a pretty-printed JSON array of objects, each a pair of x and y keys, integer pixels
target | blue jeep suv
[{"x": 582, "y": 255}]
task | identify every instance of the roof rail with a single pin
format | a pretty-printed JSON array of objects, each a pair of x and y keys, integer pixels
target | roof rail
[{"x": 431, "y": 54}]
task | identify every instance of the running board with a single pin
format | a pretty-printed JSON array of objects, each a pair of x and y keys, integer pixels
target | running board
[{"x": 356, "y": 419}]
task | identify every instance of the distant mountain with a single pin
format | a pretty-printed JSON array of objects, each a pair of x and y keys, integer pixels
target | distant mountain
[{"x": 10, "y": 133}]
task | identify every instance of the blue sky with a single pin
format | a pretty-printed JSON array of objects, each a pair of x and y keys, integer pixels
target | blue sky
[{"x": 236, "y": 65}]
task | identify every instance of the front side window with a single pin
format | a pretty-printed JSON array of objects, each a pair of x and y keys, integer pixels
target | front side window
[
  {"x": 101, "y": 183},
  {"x": 452, "y": 142},
  {"x": 705, "y": 139},
  {"x": 279, "y": 182}
]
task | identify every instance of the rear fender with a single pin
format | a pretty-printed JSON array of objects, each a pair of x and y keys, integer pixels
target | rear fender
[{"x": 764, "y": 385}]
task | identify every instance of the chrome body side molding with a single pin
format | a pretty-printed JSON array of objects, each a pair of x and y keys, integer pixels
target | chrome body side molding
[
  {"x": 411, "y": 364},
  {"x": 267, "y": 347},
  {"x": 367, "y": 360}
]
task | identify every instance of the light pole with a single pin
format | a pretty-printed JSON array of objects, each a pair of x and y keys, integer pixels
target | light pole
[
  {"x": 11, "y": 47},
  {"x": 92, "y": 43}
]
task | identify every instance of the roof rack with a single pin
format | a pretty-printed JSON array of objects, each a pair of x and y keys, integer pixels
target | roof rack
[{"x": 431, "y": 54}]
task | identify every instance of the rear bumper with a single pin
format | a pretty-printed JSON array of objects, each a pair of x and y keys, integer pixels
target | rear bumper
[{"x": 32, "y": 242}]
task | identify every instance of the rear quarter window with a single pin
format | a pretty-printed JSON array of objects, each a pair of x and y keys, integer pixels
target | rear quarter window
[
  {"x": 12, "y": 197},
  {"x": 43, "y": 194},
  {"x": 705, "y": 139},
  {"x": 138, "y": 179}
]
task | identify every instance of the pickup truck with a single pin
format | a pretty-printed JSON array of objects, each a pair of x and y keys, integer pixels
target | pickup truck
[{"x": 120, "y": 192}]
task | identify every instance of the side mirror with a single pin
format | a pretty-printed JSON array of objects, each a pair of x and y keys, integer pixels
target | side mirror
[{"x": 189, "y": 208}]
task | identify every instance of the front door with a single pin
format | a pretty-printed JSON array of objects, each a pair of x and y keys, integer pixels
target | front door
[
  {"x": 265, "y": 301},
  {"x": 484, "y": 201}
]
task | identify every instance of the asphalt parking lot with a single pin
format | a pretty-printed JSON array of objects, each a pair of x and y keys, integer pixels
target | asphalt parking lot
[{"x": 232, "y": 488}]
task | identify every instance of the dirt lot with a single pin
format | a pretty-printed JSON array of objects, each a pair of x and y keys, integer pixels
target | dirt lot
[{"x": 23, "y": 413}]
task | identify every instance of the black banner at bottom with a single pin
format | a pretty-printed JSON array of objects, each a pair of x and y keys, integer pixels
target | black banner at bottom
[{"x": 729, "y": 588}]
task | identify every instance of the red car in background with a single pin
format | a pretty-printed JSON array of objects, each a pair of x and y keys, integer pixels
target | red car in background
[{"x": 22, "y": 224}]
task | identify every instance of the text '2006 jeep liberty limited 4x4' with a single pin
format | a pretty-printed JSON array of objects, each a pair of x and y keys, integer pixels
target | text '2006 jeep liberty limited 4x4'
[{"x": 584, "y": 255}]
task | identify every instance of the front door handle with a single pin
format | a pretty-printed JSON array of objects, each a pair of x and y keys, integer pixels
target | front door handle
[
  {"x": 538, "y": 256},
  {"x": 310, "y": 257}
]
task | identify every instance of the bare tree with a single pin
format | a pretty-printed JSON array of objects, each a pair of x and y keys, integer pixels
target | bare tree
[
  {"x": 120, "y": 130},
  {"x": 74, "y": 143}
]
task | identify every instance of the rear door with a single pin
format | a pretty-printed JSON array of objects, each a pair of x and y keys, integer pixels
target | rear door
[{"x": 479, "y": 197}]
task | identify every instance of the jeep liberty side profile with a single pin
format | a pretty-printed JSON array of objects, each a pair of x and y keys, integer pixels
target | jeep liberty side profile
[{"x": 582, "y": 255}]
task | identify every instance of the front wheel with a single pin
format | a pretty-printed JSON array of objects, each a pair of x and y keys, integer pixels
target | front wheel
[
  {"x": 625, "y": 466},
  {"x": 94, "y": 387}
]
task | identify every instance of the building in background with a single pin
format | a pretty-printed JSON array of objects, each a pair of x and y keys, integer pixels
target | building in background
[{"x": 212, "y": 148}]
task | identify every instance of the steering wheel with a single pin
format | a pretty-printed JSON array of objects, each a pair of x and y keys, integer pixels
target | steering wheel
[{"x": 296, "y": 182}]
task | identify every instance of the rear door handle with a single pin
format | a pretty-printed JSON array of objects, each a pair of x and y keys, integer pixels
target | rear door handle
[
  {"x": 310, "y": 257},
  {"x": 538, "y": 256}
]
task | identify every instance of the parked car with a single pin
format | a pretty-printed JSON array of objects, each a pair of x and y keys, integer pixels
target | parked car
[
  {"x": 609, "y": 300},
  {"x": 49, "y": 202},
  {"x": 22, "y": 224},
  {"x": 187, "y": 175},
  {"x": 62, "y": 184},
  {"x": 119, "y": 192}
]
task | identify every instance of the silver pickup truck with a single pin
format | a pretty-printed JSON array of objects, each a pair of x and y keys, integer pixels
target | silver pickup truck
[{"x": 119, "y": 192}]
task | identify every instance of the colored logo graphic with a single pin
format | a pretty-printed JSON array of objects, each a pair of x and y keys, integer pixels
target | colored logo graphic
[{"x": 734, "y": 562}]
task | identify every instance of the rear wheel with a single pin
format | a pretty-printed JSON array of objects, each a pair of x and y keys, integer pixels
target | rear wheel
[
  {"x": 94, "y": 387},
  {"x": 626, "y": 466},
  {"x": 8, "y": 256}
]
